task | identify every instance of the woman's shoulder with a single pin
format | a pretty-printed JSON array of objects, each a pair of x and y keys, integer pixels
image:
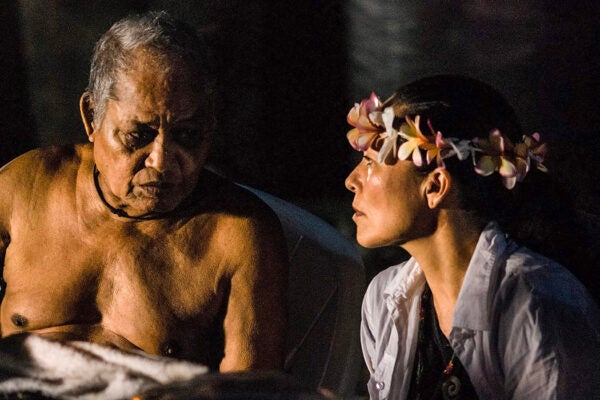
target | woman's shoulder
[
  {"x": 539, "y": 272},
  {"x": 531, "y": 279},
  {"x": 541, "y": 310}
]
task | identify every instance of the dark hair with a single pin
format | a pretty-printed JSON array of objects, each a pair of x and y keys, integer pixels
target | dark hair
[
  {"x": 538, "y": 212},
  {"x": 463, "y": 108},
  {"x": 154, "y": 31}
]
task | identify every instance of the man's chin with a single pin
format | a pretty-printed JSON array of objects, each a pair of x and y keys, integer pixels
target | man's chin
[{"x": 152, "y": 205}]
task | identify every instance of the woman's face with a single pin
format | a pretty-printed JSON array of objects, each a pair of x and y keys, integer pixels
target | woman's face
[{"x": 389, "y": 204}]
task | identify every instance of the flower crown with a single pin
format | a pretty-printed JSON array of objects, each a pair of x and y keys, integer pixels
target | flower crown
[{"x": 496, "y": 153}]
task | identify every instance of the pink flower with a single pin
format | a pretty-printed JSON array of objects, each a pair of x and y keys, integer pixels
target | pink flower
[
  {"x": 495, "y": 153},
  {"x": 494, "y": 158},
  {"x": 528, "y": 150},
  {"x": 365, "y": 130}
]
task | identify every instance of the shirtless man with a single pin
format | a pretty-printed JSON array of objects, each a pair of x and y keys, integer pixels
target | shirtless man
[{"x": 128, "y": 240}]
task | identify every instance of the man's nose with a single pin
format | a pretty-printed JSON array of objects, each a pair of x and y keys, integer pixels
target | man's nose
[{"x": 160, "y": 154}]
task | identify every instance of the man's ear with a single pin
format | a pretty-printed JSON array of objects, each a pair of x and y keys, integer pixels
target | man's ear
[
  {"x": 436, "y": 186},
  {"x": 86, "y": 108}
]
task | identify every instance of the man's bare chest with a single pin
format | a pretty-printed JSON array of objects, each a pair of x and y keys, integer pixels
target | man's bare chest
[{"x": 132, "y": 281}]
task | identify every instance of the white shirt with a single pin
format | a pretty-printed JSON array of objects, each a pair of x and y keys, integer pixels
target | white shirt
[{"x": 523, "y": 326}]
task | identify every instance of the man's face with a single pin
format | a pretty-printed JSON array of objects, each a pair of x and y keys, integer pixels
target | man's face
[{"x": 153, "y": 139}]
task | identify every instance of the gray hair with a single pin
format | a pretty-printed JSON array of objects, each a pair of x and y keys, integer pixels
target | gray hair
[{"x": 156, "y": 31}]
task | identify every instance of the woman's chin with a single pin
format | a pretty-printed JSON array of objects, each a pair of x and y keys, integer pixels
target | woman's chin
[{"x": 367, "y": 242}]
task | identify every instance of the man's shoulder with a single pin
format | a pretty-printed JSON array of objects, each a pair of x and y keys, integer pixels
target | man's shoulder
[
  {"x": 45, "y": 161},
  {"x": 223, "y": 197},
  {"x": 32, "y": 175},
  {"x": 243, "y": 228},
  {"x": 229, "y": 213}
]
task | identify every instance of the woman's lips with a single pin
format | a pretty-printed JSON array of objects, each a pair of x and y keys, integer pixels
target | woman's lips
[{"x": 357, "y": 213}]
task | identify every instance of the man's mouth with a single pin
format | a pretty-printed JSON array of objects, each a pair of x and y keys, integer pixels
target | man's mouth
[{"x": 153, "y": 189}]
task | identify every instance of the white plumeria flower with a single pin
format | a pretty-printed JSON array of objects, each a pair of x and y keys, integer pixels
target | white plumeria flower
[
  {"x": 390, "y": 143},
  {"x": 462, "y": 148},
  {"x": 489, "y": 155}
]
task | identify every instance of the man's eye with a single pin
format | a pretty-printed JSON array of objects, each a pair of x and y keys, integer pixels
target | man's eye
[
  {"x": 136, "y": 139},
  {"x": 188, "y": 137}
]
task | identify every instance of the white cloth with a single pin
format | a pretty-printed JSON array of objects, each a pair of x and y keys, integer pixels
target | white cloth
[
  {"x": 523, "y": 327},
  {"x": 82, "y": 370}
]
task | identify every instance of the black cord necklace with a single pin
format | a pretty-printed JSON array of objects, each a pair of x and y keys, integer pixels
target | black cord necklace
[{"x": 117, "y": 211}]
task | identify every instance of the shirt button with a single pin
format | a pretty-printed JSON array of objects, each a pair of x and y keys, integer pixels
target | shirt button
[{"x": 379, "y": 385}]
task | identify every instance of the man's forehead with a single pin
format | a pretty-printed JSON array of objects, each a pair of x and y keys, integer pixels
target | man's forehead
[
  {"x": 152, "y": 113},
  {"x": 151, "y": 87},
  {"x": 158, "y": 84},
  {"x": 148, "y": 60}
]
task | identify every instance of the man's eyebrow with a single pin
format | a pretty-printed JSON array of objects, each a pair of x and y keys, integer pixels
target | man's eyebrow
[
  {"x": 150, "y": 124},
  {"x": 137, "y": 126},
  {"x": 193, "y": 118}
]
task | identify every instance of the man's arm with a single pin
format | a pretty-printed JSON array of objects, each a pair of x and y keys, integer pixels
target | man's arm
[
  {"x": 6, "y": 193},
  {"x": 256, "y": 313},
  {"x": 15, "y": 180},
  {"x": 4, "y": 240}
]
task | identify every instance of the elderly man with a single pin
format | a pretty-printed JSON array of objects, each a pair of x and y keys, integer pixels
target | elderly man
[{"x": 127, "y": 240}]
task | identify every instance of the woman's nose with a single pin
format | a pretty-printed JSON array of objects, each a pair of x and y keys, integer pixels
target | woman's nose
[{"x": 350, "y": 182}]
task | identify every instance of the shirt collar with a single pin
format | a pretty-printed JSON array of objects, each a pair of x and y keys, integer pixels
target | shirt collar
[
  {"x": 410, "y": 279},
  {"x": 475, "y": 297},
  {"x": 476, "y": 293}
]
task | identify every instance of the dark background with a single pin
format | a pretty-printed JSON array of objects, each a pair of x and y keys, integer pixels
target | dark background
[{"x": 290, "y": 71}]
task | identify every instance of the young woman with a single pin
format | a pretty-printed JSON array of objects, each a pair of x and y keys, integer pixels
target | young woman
[{"x": 472, "y": 313}]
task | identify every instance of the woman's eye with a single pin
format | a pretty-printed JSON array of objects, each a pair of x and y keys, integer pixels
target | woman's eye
[{"x": 368, "y": 161}]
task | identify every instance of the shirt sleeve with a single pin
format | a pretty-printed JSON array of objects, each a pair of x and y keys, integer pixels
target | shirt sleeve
[
  {"x": 367, "y": 336},
  {"x": 549, "y": 340}
]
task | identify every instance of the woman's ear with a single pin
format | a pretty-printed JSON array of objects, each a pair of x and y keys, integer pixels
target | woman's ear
[
  {"x": 86, "y": 108},
  {"x": 436, "y": 186}
]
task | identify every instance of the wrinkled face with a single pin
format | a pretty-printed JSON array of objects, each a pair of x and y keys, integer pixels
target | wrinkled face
[
  {"x": 153, "y": 139},
  {"x": 389, "y": 208}
]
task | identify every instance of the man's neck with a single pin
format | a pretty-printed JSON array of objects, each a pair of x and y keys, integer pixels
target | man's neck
[{"x": 118, "y": 211}]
